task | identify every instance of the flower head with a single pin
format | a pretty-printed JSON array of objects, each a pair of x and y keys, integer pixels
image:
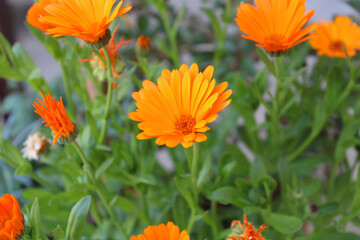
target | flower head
[
  {"x": 11, "y": 218},
  {"x": 169, "y": 232},
  {"x": 275, "y": 25},
  {"x": 330, "y": 37},
  {"x": 249, "y": 232},
  {"x": 143, "y": 45},
  {"x": 55, "y": 117},
  {"x": 35, "y": 144},
  {"x": 177, "y": 109},
  {"x": 85, "y": 19},
  {"x": 37, "y": 12},
  {"x": 111, "y": 48}
]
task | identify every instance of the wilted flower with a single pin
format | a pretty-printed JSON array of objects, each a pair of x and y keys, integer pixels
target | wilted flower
[
  {"x": 275, "y": 25},
  {"x": 177, "y": 109},
  {"x": 248, "y": 231},
  {"x": 162, "y": 232},
  {"x": 116, "y": 64},
  {"x": 88, "y": 20},
  {"x": 331, "y": 37},
  {"x": 55, "y": 117},
  {"x": 11, "y": 218},
  {"x": 35, "y": 144}
]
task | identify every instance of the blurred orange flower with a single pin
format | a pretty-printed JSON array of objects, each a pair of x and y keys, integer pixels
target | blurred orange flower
[
  {"x": 55, "y": 117},
  {"x": 161, "y": 232},
  {"x": 36, "y": 13},
  {"x": 249, "y": 231},
  {"x": 11, "y": 218},
  {"x": 144, "y": 42},
  {"x": 177, "y": 109},
  {"x": 330, "y": 37},
  {"x": 275, "y": 25},
  {"x": 111, "y": 48},
  {"x": 88, "y": 20}
]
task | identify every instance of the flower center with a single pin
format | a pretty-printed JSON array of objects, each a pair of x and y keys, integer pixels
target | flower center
[
  {"x": 336, "y": 46},
  {"x": 185, "y": 124}
]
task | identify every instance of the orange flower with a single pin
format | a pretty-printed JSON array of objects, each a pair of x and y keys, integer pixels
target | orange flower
[
  {"x": 111, "y": 48},
  {"x": 275, "y": 25},
  {"x": 162, "y": 232},
  {"x": 55, "y": 117},
  {"x": 249, "y": 231},
  {"x": 177, "y": 109},
  {"x": 85, "y": 19},
  {"x": 330, "y": 37},
  {"x": 11, "y": 218},
  {"x": 144, "y": 42},
  {"x": 37, "y": 12}
]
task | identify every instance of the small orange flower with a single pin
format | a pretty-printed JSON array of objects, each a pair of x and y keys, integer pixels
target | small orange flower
[
  {"x": 111, "y": 48},
  {"x": 88, "y": 20},
  {"x": 249, "y": 231},
  {"x": 275, "y": 25},
  {"x": 162, "y": 232},
  {"x": 177, "y": 109},
  {"x": 55, "y": 117},
  {"x": 37, "y": 12},
  {"x": 144, "y": 42},
  {"x": 330, "y": 37},
  {"x": 11, "y": 218}
]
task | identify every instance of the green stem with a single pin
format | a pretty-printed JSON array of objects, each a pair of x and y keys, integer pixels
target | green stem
[
  {"x": 313, "y": 135},
  {"x": 194, "y": 165},
  {"x": 67, "y": 90},
  {"x": 43, "y": 182},
  {"x": 108, "y": 98},
  {"x": 99, "y": 190},
  {"x": 275, "y": 110}
]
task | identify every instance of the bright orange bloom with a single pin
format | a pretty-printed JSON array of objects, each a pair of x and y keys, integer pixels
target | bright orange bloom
[
  {"x": 11, "y": 218},
  {"x": 111, "y": 48},
  {"x": 144, "y": 42},
  {"x": 249, "y": 231},
  {"x": 55, "y": 117},
  {"x": 275, "y": 25},
  {"x": 85, "y": 19},
  {"x": 177, "y": 109},
  {"x": 162, "y": 232},
  {"x": 330, "y": 37},
  {"x": 37, "y": 12}
]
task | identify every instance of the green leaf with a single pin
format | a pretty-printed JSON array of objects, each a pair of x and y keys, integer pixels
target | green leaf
[
  {"x": 215, "y": 24},
  {"x": 204, "y": 172},
  {"x": 123, "y": 203},
  {"x": 92, "y": 123},
  {"x": 285, "y": 224},
  {"x": 176, "y": 24},
  {"x": 224, "y": 195},
  {"x": 184, "y": 192},
  {"x": 328, "y": 208},
  {"x": 264, "y": 57},
  {"x": 104, "y": 166},
  {"x": 57, "y": 233},
  {"x": 355, "y": 4},
  {"x": 77, "y": 219},
  {"x": 23, "y": 169},
  {"x": 257, "y": 170},
  {"x": 36, "y": 227}
]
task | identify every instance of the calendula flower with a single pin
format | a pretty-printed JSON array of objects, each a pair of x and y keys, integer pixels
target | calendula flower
[
  {"x": 86, "y": 19},
  {"x": 11, "y": 218},
  {"x": 54, "y": 114},
  {"x": 331, "y": 37},
  {"x": 35, "y": 144},
  {"x": 116, "y": 63},
  {"x": 249, "y": 233},
  {"x": 177, "y": 109},
  {"x": 36, "y": 13},
  {"x": 162, "y": 232},
  {"x": 143, "y": 45},
  {"x": 275, "y": 25}
]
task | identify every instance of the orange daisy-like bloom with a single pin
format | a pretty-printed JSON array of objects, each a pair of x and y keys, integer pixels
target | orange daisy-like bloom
[
  {"x": 55, "y": 117},
  {"x": 85, "y": 19},
  {"x": 249, "y": 231},
  {"x": 37, "y": 12},
  {"x": 275, "y": 25},
  {"x": 177, "y": 109},
  {"x": 11, "y": 218},
  {"x": 111, "y": 48},
  {"x": 162, "y": 232},
  {"x": 330, "y": 37},
  {"x": 143, "y": 45}
]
